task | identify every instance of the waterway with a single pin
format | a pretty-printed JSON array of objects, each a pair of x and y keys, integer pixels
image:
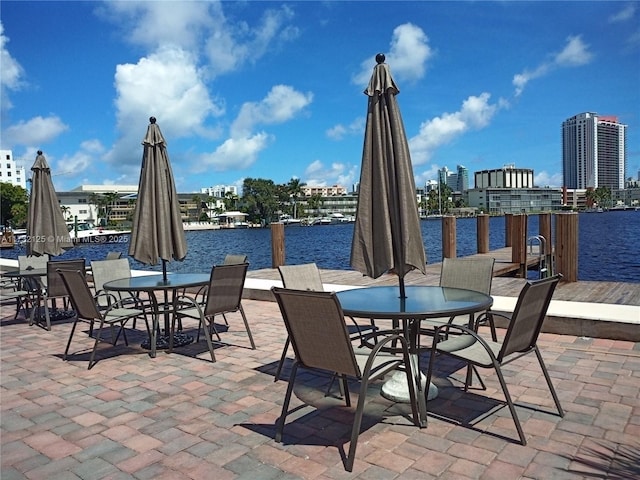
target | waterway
[{"x": 609, "y": 245}]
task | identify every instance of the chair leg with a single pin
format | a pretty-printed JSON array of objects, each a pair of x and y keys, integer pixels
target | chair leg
[
  {"x": 95, "y": 345},
  {"x": 246, "y": 326},
  {"x": 357, "y": 423},
  {"x": 512, "y": 408},
  {"x": 282, "y": 360},
  {"x": 548, "y": 379},
  {"x": 73, "y": 329},
  {"x": 285, "y": 404},
  {"x": 207, "y": 335}
]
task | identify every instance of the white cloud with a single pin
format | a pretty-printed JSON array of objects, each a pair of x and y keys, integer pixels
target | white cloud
[
  {"x": 316, "y": 174},
  {"x": 476, "y": 113},
  {"x": 627, "y": 13},
  {"x": 281, "y": 104},
  {"x": 575, "y": 53},
  {"x": 168, "y": 85},
  {"x": 234, "y": 154},
  {"x": 154, "y": 24},
  {"x": 424, "y": 176},
  {"x": 11, "y": 72},
  {"x": 230, "y": 46},
  {"x": 34, "y": 132},
  {"x": 545, "y": 179},
  {"x": 338, "y": 132},
  {"x": 90, "y": 151},
  {"x": 409, "y": 52}
]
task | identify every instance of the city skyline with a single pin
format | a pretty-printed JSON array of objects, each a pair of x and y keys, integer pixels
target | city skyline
[{"x": 274, "y": 90}]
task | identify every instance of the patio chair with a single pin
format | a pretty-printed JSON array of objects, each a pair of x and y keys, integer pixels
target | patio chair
[
  {"x": 104, "y": 271},
  {"x": 28, "y": 262},
  {"x": 307, "y": 277},
  {"x": 299, "y": 277},
  {"x": 318, "y": 333},
  {"x": 520, "y": 339},
  {"x": 23, "y": 298},
  {"x": 470, "y": 274},
  {"x": 88, "y": 309},
  {"x": 113, "y": 255},
  {"x": 233, "y": 259},
  {"x": 55, "y": 289},
  {"x": 223, "y": 295}
]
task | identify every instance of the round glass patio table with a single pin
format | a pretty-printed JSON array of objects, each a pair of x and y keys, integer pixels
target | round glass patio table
[
  {"x": 420, "y": 303},
  {"x": 150, "y": 284}
]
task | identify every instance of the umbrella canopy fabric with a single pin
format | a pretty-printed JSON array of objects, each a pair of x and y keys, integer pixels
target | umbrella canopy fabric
[
  {"x": 47, "y": 231},
  {"x": 157, "y": 231},
  {"x": 387, "y": 232}
]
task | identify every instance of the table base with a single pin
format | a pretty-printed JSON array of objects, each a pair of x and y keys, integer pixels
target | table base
[
  {"x": 39, "y": 314},
  {"x": 397, "y": 390},
  {"x": 162, "y": 342}
]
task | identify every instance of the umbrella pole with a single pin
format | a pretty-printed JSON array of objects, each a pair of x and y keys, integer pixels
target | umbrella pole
[{"x": 402, "y": 292}]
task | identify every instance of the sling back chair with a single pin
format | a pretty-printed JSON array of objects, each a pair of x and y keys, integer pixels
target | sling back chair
[
  {"x": 222, "y": 295},
  {"x": 88, "y": 309},
  {"x": 470, "y": 274},
  {"x": 55, "y": 289},
  {"x": 520, "y": 339},
  {"x": 320, "y": 339},
  {"x": 307, "y": 277}
]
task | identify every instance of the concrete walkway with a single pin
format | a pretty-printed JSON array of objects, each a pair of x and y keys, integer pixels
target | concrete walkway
[{"x": 179, "y": 416}]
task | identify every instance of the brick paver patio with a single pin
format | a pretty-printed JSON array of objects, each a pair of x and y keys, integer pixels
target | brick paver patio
[{"x": 179, "y": 416}]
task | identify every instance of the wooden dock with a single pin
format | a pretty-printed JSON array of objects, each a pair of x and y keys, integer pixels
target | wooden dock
[
  {"x": 504, "y": 284},
  {"x": 592, "y": 309}
]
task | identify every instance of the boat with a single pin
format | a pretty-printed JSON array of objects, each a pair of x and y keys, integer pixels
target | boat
[
  {"x": 8, "y": 239},
  {"x": 233, "y": 219},
  {"x": 337, "y": 218},
  {"x": 87, "y": 232},
  {"x": 321, "y": 221},
  {"x": 289, "y": 221}
]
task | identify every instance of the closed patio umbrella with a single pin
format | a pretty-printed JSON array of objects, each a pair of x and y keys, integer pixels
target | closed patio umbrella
[
  {"x": 47, "y": 231},
  {"x": 387, "y": 234},
  {"x": 157, "y": 232}
]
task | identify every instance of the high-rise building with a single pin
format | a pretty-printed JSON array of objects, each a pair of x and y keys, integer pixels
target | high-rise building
[
  {"x": 462, "y": 182},
  {"x": 10, "y": 172},
  {"x": 594, "y": 151}
]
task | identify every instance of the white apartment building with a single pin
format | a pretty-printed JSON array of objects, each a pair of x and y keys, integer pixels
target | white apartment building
[
  {"x": 331, "y": 191},
  {"x": 77, "y": 202},
  {"x": 594, "y": 151},
  {"x": 219, "y": 191},
  {"x": 10, "y": 172}
]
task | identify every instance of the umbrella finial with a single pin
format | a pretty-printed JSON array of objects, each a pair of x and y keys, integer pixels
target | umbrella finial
[
  {"x": 39, "y": 152},
  {"x": 380, "y": 58},
  {"x": 152, "y": 119}
]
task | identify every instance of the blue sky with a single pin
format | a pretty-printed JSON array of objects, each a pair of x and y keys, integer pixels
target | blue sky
[{"x": 274, "y": 89}]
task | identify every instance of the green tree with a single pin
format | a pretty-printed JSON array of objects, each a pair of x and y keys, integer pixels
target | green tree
[
  {"x": 259, "y": 200},
  {"x": 65, "y": 211},
  {"x": 590, "y": 197},
  {"x": 294, "y": 189},
  {"x": 603, "y": 194},
  {"x": 314, "y": 202},
  {"x": 14, "y": 201},
  {"x": 230, "y": 201}
]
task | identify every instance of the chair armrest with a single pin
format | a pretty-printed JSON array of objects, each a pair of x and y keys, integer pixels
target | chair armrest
[
  {"x": 465, "y": 330},
  {"x": 186, "y": 302}
]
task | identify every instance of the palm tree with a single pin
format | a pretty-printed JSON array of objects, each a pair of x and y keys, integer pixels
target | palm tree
[{"x": 294, "y": 188}]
